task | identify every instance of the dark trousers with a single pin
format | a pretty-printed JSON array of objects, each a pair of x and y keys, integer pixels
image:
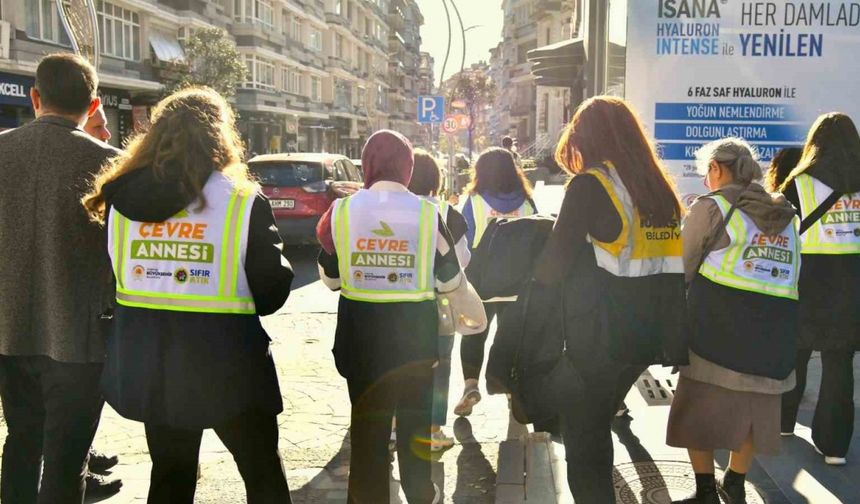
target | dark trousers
[
  {"x": 833, "y": 422},
  {"x": 52, "y": 410},
  {"x": 252, "y": 439},
  {"x": 472, "y": 347},
  {"x": 587, "y": 433},
  {"x": 406, "y": 393}
]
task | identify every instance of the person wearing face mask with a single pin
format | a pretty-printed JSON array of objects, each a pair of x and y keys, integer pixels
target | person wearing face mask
[{"x": 741, "y": 262}]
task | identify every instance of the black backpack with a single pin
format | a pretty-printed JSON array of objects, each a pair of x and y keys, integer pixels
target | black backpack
[{"x": 504, "y": 259}]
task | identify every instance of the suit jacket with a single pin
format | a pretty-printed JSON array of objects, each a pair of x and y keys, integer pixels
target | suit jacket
[{"x": 56, "y": 280}]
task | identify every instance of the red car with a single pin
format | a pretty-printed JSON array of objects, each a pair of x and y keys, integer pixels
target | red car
[{"x": 301, "y": 187}]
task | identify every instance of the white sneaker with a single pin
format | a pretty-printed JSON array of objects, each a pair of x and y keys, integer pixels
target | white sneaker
[
  {"x": 439, "y": 441},
  {"x": 470, "y": 398},
  {"x": 834, "y": 461}
]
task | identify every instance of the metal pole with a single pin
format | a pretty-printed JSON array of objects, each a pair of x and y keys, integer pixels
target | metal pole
[
  {"x": 448, "y": 51},
  {"x": 462, "y": 33}
]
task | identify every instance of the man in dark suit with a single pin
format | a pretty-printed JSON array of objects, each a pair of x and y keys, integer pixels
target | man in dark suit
[{"x": 56, "y": 287}]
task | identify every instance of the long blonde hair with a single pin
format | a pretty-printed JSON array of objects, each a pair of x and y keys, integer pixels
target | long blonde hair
[{"x": 193, "y": 133}]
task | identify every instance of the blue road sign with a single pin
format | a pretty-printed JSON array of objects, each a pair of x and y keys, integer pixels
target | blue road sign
[{"x": 431, "y": 109}]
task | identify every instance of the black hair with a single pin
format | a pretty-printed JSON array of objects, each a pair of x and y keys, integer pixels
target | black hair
[{"x": 67, "y": 83}]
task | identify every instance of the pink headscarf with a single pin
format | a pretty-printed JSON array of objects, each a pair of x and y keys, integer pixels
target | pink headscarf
[{"x": 387, "y": 155}]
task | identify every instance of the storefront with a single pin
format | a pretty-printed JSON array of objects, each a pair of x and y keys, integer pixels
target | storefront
[
  {"x": 15, "y": 106},
  {"x": 118, "y": 111}
]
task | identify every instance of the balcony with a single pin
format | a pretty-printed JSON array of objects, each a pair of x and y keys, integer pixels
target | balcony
[
  {"x": 337, "y": 19},
  {"x": 546, "y": 7},
  {"x": 334, "y": 61}
]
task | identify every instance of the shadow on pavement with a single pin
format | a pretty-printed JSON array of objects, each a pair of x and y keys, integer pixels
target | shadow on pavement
[
  {"x": 642, "y": 459},
  {"x": 476, "y": 479},
  {"x": 330, "y": 484},
  {"x": 304, "y": 261}
]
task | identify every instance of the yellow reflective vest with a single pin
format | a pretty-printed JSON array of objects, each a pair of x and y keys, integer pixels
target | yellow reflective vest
[
  {"x": 640, "y": 250},
  {"x": 838, "y": 230},
  {"x": 386, "y": 246},
  {"x": 753, "y": 261},
  {"x": 192, "y": 262}
]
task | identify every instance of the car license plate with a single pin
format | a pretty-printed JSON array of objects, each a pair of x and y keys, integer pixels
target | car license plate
[{"x": 283, "y": 203}]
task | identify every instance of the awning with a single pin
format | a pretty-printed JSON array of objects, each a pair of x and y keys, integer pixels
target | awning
[
  {"x": 166, "y": 47},
  {"x": 560, "y": 64}
]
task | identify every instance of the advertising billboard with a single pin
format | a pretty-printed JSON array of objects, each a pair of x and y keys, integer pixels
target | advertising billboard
[{"x": 699, "y": 70}]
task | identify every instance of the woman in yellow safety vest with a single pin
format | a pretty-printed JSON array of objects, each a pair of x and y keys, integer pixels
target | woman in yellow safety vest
[
  {"x": 498, "y": 189},
  {"x": 615, "y": 253},
  {"x": 742, "y": 261},
  {"x": 387, "y": 251},
  {"x": 825, "y": 187},
  {"x": 197, "y": 259},
  {"x": 427, "y": 183}
]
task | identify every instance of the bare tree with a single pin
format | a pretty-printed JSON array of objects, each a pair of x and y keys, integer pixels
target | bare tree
[{"x": 478, "y": 91}]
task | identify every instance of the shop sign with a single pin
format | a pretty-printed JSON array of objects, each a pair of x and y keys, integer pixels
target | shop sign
[
  {"x": 761, "y": 70},
  {"x": 114, "y": 98},
  {"x": 15, "y": 89}
]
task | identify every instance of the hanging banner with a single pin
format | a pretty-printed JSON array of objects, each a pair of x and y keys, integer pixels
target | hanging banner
[{"x": 699, "y": 70}]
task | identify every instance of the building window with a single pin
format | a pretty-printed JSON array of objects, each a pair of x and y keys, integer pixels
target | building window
[
  {"x": 338, "y": 7},
  {"x": 43, "y": 22},
  {"x": 342, "y": 94},
  {"x": 292, "y": 81},
  {"x": 255, "y": 12},
  {"x": 261, "y": 73},
  {"x": 338, "y": 46},
  {"x": 381, "y": 98},
  {"x": 316, "y": 89},
  {"x": 315, "y": 39},
  {"x": 362, "y": 97},
  {"x": 296, "y": 29},
  {"x": 119, "y": 31}
]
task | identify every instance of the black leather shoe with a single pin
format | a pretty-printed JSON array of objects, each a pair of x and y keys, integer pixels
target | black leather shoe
[
  {"x": 708, "y": 498},
  {"x": 99, "y": 462},
  {"x": 733, "y": 492},
  {"x": 99, "y": 487}
]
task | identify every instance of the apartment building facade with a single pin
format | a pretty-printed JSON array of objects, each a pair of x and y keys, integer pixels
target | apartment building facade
[
  {"x": 526, "y": 110},
  {"x": 319, "y": 71}
]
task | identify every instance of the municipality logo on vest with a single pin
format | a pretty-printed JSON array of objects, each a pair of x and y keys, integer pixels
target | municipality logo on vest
[{"x": 383, "y": 252}]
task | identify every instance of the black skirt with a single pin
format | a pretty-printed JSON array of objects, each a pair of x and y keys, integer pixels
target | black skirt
[
  {"x": 743, "y": 331},
  {"x": 188, "y": 370}
]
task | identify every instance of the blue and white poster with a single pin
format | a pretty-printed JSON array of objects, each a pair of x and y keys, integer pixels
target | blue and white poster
[{"x": 698, "y": 70}]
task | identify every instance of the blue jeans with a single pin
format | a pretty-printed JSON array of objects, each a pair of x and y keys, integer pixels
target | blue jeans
[{"x": 441, "y": 380}]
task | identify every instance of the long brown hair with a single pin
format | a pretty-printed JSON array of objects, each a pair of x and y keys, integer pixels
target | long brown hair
[
  {"x": 831, "y": 154},
  {"x": 496, "y": 172},
  {"x": 781, "y": 166},
  {"x": 605, "y": 129},
  {"x": 193, "y": 133}
]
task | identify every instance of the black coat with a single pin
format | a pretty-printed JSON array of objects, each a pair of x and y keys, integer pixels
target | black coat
[
  {"x": 195, "y": 370},
  {"x": 829, "y": 293}
]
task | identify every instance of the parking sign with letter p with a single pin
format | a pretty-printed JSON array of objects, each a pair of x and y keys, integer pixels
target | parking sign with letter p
[{"x": 430, "y": 109}]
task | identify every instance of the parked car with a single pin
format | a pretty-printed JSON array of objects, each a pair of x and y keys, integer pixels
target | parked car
[
  {"x": 357, "y": 163},
  {"x": 301, "y": 187}
]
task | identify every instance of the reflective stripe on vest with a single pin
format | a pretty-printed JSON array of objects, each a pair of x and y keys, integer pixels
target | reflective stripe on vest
[
  {"x": 484, "y": 213},
  {"x": 753, "y": 261},
  {"x": 192, "y": 262},
  {"x": 386, "y": 246},
  {"x": 639, "y": 250},
  {"x": 838, "y": 230}
]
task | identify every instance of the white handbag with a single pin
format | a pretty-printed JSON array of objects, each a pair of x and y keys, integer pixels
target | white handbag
[{"x": 461, "y": 310}]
